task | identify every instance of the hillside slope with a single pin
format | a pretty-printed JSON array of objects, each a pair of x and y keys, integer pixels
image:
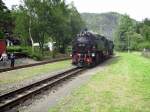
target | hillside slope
[{"x": 104, "y": 24}]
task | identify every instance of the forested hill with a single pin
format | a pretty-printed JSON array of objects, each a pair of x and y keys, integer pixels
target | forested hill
[{"x": 104, "y": 24}]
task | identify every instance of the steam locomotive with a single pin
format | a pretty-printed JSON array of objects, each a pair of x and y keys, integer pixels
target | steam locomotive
[{"x": 90, "y": 49}]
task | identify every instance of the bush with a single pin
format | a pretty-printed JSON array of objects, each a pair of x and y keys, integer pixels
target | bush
[
  {"x": 25, "y": 51},
  {"x": 1, "y": 35},
  {"x": 145, "y": 45},
  {"x": 14, "y": 49},
  {"x": 34, "y": 54},
  {"x": 69, "y": 50}
]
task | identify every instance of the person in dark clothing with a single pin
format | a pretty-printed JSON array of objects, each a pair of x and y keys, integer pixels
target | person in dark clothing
[{"x": 12, "y": 59}]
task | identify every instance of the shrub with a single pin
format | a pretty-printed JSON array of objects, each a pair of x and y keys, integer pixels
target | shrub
[
  {"x": 26, "y": 51},
  {"x": 34, "y": 54},
  {"x": 14, "y": 49},
  {"x": 145, "y": 45},
  {"x": 1, "y": 35}
]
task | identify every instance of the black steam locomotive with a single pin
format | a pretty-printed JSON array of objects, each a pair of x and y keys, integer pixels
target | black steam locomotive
[{"x": 89, "y": 49}]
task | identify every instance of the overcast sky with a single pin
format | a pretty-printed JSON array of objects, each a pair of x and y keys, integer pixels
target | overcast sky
[{"x": 137, "y": 9}]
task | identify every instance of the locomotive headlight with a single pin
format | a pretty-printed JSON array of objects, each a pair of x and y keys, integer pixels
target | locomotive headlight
[{"x": 93, "y": 54}]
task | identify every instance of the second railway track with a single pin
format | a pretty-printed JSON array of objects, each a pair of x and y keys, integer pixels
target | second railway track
[
  {"x": 11, "y": 99},
  {"x": 34, "y": 64}
]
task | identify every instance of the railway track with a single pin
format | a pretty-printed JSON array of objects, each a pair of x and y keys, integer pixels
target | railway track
[
  {"x": 35, "y": 64},
  {"x": 10, "y": 100}
]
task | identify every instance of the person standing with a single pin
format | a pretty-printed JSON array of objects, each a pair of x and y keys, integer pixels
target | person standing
[{"x": 12, "y": 60}]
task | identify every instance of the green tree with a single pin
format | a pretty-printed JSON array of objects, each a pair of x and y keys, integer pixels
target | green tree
[
  {"x": 123, "y": 33},
  {"x": 48, "y": 19},
  {"x": 135, "y": 41},
  {"x": 76, "y": 21},
  {"x": 21, "y": 20},
  {"x": 69, "y": 24},
  {"x": 143, "y": 28},
  {"x": 6, "y": 24}
]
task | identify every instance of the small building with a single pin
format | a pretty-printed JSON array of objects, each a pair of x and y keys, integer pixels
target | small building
[{"x": 2, "y": 46}]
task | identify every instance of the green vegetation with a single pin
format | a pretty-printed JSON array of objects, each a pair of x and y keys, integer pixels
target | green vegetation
[
  {"x": 40, "y": 21},
  {"x": 26, "y": 73},
  {"x": 28, "y": 52},
  {"x": 49, "y": 20},
  {"x": 15, "y": 49},
  {"x": 127, "y": 33},
  {"x": 132, "y": 35},
  {"x": 5, "y": 20},
  {"x": 123, "y": 86}
]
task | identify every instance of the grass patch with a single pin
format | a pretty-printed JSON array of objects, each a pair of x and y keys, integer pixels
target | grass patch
[
  {"x": 123, "y": 86},
  {"x": 22, "y": 74}
]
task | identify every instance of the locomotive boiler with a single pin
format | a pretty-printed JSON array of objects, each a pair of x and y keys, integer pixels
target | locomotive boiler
[{"x": 89, "y": 49}]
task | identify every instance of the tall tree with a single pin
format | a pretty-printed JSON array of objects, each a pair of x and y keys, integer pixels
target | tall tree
[
  {"x": 70, "y": 23},
  {"x": 143, "y": 28},
  {"x": 21, "y": 19},
  {"x": 124, "y": 32},
  {"x": 46, "y": 19},
  {"x": 5, "y": 20}
]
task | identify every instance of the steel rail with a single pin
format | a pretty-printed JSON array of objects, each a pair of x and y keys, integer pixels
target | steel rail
[
  {"x": 14, "y": 98},
  {"x": 34, "y": 64}
]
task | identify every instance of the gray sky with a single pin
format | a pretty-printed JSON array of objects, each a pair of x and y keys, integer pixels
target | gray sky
[{"x": 137, "y": 9}]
